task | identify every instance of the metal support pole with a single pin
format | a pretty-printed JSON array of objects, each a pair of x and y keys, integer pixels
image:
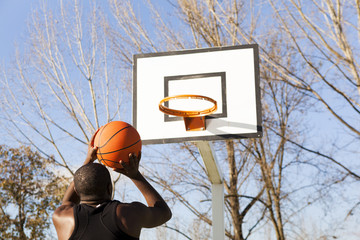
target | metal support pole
[
  {"x": 217, "y": 188},
  {"x": 218, "y": 211}
]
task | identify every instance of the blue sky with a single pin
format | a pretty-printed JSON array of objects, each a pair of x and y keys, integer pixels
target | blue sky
[
  {"x": 13, "y": 15},
  {"x": 13, "y": 18}
]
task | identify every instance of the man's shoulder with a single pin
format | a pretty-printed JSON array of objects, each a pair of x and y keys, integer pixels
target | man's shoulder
[
  {"x": 132, "y": 206},
  {"x": 129, "y": 217},
  {"x": 64, "y": 221},
  {"x": 65, "y": 210}
]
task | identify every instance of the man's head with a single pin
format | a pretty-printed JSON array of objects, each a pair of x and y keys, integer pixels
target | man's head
[{"x": 93, "y": 182}]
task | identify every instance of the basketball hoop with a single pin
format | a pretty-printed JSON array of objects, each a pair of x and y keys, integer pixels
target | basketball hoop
[{"x": 194, "y": 120}]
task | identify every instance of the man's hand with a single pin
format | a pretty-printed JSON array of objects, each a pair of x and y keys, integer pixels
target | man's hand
[
  {"x": 130, "y": 169},
  {"x": 91, "y": 155}
]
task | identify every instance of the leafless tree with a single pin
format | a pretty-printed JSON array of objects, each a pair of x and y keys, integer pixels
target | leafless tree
[
  {"x": 65, "y": 85},
  {"x": 214, "y": 23},
  {"x": 325, "y": 35},
  {"x": 76, "y": 72}
]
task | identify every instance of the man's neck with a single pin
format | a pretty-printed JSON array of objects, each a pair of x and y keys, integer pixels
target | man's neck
[{"x": 94, "y": 203}]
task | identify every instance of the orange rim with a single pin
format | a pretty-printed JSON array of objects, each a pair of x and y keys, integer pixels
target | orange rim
[{"x": 181, "y": 113}]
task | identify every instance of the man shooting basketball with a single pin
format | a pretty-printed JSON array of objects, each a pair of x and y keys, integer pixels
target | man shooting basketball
[{"x": 87, "y": 211}]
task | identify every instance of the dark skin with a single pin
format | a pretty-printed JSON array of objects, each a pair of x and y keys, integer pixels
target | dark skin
[{"x": 132, "y": 217}]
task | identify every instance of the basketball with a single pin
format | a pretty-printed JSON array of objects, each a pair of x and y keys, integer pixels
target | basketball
[{"x": 115, "y": 141}]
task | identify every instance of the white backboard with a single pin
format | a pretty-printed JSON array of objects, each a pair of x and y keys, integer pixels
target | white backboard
[{"x": 229, "y": 75}]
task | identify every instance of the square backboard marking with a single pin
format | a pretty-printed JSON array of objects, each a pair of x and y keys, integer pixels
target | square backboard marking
[
  {"x": 198, "y": 89},
  {"x": 240, "y": 65}
]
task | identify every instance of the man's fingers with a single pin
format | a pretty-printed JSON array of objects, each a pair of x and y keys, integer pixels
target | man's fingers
[
  {"x": 134, "y": 159},
  {"x": 123, "y": 164},
  {"x": 92, "y": 140}
]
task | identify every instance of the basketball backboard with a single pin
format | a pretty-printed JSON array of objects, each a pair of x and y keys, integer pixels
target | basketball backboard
[{"x": 229, "y": 75}]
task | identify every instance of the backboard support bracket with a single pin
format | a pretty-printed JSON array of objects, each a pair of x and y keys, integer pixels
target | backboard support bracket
[{"x": 195, "y": 123}]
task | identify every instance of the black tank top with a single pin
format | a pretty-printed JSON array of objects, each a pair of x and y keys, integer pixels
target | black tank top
[{"x": 97, "y": 223}]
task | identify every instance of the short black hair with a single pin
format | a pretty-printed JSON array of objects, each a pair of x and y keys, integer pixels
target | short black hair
[{"x": 92, "y": 179}]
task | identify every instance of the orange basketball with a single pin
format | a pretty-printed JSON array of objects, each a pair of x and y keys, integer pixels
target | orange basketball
[{"x": 115, "y": 141}]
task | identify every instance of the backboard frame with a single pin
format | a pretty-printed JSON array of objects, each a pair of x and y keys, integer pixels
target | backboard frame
[{"x": 222, "y": 75}]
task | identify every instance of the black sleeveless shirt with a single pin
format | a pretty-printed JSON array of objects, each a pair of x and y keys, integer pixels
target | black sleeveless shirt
[{"x": 97, "y": 223}]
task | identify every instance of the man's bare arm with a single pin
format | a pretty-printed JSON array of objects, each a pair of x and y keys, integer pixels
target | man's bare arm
[
  {"x": 157, "y": 212},
  {"x": 70, "y": 196}
]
